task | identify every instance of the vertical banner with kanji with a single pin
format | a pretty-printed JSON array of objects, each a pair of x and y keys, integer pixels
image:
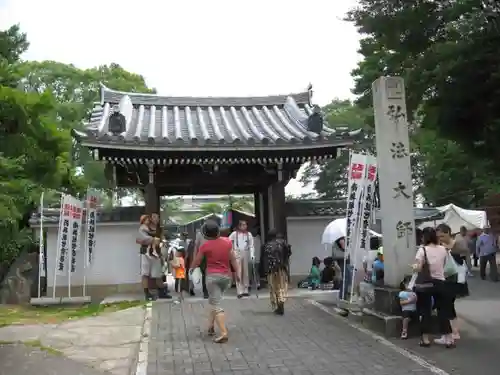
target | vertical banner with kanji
[
  {"x": 368, "y": 195},
  {"x": 355, "y": 187},
  {"x": 91, "y": 206},
  {"x": 63, "y": 242},
  {"x": 76, "y": 208}
]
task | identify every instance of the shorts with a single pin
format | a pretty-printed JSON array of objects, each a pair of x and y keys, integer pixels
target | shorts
[
  {"x": 151, "y": 267},
  {"x": 217, "y": 284},
  {"x": 406, "y": 314}
]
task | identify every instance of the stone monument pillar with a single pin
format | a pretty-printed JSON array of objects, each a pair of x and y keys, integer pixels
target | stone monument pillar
[{"x": 394, "y": 171}]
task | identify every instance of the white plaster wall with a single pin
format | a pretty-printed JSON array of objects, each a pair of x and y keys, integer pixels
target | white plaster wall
[
  {"x": 115, "y": 258},
  {"x": 304, "y": 234}
]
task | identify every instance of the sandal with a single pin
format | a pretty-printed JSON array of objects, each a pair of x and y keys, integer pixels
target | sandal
[
  {"x": 404, "y": 335},
  {"x": 221, "y": 339},
  {"x": 424, "y": 344},
  {"x": 211, "y": 331}
]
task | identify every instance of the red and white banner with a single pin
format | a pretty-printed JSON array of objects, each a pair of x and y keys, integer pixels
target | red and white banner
[
  {"x": 355, "y": 188},
  {"x": 91, "y": 207},
  {"x": 70, "y": 227},
  {"x": 367, "y": 206},
  {"x": 361, "y": 189}
]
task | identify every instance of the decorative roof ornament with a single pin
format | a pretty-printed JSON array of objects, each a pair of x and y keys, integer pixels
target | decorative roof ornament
[
  {"x": 116, "y": 123},
  {"x": 310, "y": 92},
  {"x": 315, "y": 120}
]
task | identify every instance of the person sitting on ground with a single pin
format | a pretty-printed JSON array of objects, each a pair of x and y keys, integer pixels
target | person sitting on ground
[
  {"x": 328, "y": 274},
  {"x": 408, "y": 303},
  {"x": 314, "y": 277}
]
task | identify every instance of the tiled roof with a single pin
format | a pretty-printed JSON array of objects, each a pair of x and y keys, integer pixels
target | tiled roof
[{"x": 160, "y": 121}]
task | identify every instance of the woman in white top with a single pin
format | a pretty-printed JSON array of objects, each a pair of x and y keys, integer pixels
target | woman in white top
[{"x": 431, "y": 256}]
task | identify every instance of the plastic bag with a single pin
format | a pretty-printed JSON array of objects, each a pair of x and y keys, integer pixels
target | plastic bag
[
  {"x": 462, "y": 274},
  {"x": 450, "y": 266},
  {"x": 195, "y": 277}
]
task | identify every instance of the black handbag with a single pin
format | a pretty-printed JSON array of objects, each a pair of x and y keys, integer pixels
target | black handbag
[{"x": 424, "y": 279}]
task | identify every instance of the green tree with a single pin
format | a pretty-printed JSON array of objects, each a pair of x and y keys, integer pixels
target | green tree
[
  {"x": 211, "y": 208},
  {"x": 244, "y": 203},
  {"x": 447, "y": 53},
  {"x": 330, "y": 178},
  {"x": 170, "y": 206},
  {"x": 35, "y": 151},
  {"x": 76, "y": 91}
]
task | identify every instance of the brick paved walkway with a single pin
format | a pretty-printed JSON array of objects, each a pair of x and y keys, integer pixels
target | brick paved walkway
[{"x": 305, "y": 341}]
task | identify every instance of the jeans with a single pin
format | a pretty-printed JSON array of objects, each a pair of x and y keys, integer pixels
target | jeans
[
  {"x": 345, "y": 283},
  {"x": 443, "y": 302}
]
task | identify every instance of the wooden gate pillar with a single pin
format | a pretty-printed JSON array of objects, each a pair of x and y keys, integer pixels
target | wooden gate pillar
[
  {"x": 277, "y": 214},
  {"x": 151, "y": 197}
]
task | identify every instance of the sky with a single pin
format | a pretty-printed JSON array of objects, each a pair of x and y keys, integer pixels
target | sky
[{"x": 201, "y": 48}]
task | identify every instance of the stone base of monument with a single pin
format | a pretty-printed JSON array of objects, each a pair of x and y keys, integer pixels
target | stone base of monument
[{"x": 384, "y": 316}]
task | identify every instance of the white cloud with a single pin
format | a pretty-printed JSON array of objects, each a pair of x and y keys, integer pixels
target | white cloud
[{"x": 196, "y": 47}]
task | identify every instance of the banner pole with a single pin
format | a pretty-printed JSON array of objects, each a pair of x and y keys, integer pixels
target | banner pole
[
  {"x": 70, "y": 250},
  {"x": 58, "y": 251},
  {"x": 40, "y": 249},
  {"x": 346, "y": 240},
  {"x": 86, "y": 250}
]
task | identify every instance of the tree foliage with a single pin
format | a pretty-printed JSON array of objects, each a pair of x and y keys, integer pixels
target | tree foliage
[
  {"x": 40, "y": 102},
  {"x": 211, "y": 208},
  {"x": 447, "y": 53},
  {"x": 75, "y": 92},
  {"x": 330, "y": 178},
  {"x": 34, "y": 149},
  {"x": 243, "y": 203}
]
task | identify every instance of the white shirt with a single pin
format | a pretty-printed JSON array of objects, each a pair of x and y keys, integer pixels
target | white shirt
[{"x": 243, "y": 242}]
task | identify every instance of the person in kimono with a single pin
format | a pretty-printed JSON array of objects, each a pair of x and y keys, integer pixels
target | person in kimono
[
  {"x": 276, "y": 257},
  {"x": 244, "y": 251}
]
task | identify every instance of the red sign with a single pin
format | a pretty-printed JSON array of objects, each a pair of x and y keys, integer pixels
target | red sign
[
  {"x": 357, "y": 171},
  {"x": 372, "y": 172},
  {"x": 72, "y": 211}
]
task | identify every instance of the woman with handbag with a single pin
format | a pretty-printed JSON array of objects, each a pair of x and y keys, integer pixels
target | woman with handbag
[
  {"x": 218, "y": 254},
  {"x": 457, "y": 288},
  {"x": 430, "y": 284}
]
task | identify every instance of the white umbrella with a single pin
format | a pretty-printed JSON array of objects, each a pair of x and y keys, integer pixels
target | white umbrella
[{"x": 337, "y": 229}]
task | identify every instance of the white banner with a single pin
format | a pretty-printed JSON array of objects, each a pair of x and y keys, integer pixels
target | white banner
[
  {"x": 91, "y": 206},
  {"x": 63, "y": 238},
  {"x": 367, "y": 211},
  {"x": 355, "y": 189},
  {"x": 41, "y": 249},
  {"x": 76, "y": 209}
]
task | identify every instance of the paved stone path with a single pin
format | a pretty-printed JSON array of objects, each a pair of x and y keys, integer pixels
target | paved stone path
[
  {"x": 107, "y": 342},
  {"x": 25, "y": 360},
  {"x": 479, "y": 349},
  {"x": 305, "y": 341}
]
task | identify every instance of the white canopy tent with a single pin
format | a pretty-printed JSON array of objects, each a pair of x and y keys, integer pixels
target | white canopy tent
[{"x": 456, "y": 217}]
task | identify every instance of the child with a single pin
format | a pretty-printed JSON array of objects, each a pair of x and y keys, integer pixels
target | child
[
  {"x": 179, "y": 266},
  {"x": 408, "y": 302}
]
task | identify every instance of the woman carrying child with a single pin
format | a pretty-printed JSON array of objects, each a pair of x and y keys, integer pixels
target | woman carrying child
[{"x": 151, "y": 261}]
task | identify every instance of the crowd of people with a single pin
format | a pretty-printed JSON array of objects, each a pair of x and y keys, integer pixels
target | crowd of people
[
  {"x": 224, "y": 257},
  {"x": 221, "y": 256}
]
